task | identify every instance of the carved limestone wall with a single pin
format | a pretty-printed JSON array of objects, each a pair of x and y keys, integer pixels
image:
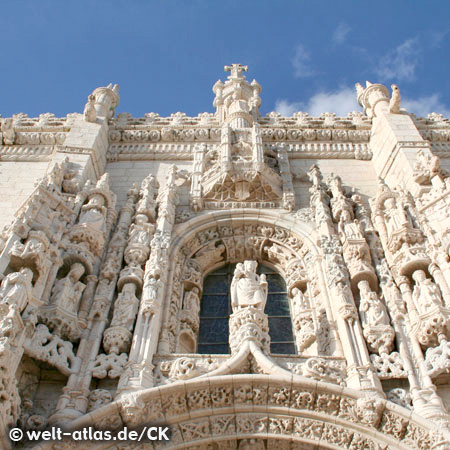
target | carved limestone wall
[{"x": 112, "y": 224}]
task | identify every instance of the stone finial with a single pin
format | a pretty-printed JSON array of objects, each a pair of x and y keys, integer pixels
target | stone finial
[
  {"x": 106, "y": 99},
  {"x": 374, "y": 98},
  {"x": 236, "y": 71},
  {"x": 237, "y": 101}
]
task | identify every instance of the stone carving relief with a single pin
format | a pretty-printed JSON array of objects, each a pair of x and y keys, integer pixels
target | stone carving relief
[
  {"x": 50, "y": 348},
  {"x": 431, "y": 325},
  {"x": 437, "y": 360},
  {"x": 248, "y": 299},
  {"x": 66, "y": 261},
  {"x": 375, "y": 321},
  {"x": 303, "y": 320},
  {"x": 240, "y": 171},
  {"x": 90, "y": 114}
]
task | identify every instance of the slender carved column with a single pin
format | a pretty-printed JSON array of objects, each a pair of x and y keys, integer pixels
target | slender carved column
[
  {"x": 361, "y": 374},
  {"x": 197, "y": 172},
  {"x": 139, "y": 371},
  {"x": 86, "y": 299},
  {"x": 117, "y": 338},
  {"x": 74, "y": 400}
]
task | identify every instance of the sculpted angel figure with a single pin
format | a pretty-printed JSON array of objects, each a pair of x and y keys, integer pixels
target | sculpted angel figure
[{"x": 247, "y": 287}]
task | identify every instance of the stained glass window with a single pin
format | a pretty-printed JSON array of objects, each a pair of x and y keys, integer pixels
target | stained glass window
[{"x": 216, "y": 310}]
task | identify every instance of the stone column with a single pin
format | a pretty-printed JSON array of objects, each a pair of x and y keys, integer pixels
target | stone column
[{"x": 139, "y": 372}]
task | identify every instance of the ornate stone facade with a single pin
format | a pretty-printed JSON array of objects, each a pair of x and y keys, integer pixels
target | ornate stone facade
[{"x": 118, "y": 222}]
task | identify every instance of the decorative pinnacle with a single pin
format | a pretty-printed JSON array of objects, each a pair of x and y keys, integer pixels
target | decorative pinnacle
[{"x": 236, "y": 70}]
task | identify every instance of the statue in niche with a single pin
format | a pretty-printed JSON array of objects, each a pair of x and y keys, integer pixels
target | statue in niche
[
  {"x": 248, "y": 288},
  {"x": 16, "y": 289},
  {"x": 93, "y": 213},
  {"x": 192, "y": 301},
  {"x": 426, "y": 294},
  {"x": 348, "y": 228},
  {"x": 372, "y": 311},
  {"x": 126, "y": 307},
  {"x": 67, "y": 291},
  {"x": 299, "y": 301},
  {"x": 396, "y": 217}
]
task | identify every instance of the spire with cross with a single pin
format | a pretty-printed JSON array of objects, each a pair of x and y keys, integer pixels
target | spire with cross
[{"x": 236, "y": 70}]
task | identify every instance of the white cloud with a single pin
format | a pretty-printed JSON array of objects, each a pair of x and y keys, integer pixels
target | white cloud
[
  {"x": 340, "y": 102},
  {"x": 401, "y": 62},
  {"x": 340, "y": 33},
  {"x": 437, "y": 37},
  {"x": 425, "y": 105},
  {"x": 301, "y": 62}
]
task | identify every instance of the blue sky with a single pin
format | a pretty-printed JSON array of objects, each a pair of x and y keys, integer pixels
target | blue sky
[{"x": 167, "y": 54}]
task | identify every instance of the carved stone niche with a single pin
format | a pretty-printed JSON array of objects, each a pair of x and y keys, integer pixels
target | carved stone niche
[
  {"x": 295, "y": 275},
  {"x": 61, "y": 314},
  {"x": 192, "y": 274},
  {"x": 31, "y": 254},
  {"x": 190, "y": 308},
  {"x": 90, "y": 230},
  {"x": 375, "y": 321}
]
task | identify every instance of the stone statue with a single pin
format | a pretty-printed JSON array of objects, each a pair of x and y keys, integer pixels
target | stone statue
[
  {"x": 426, "y": 294},
  {"x": 93, "y": 213},
  {"x": 192, "y": 301},
  {"x": 394, "y": 104},
  {"x": 299, "y": 302},
  {"x": 140, "y": 231},
  {"x": 248, "y": 288},
  {"x": 349, "y": 228},
  {"x": 90, "y": 114},
  {"x": 396, "y": 217},
  {"x": 371, "y": 309},
  {"x": 16, "y": 289},
  {"x": 150, "y": 304},
  {"x": 126, "y": 307},
  {"x": 67, "y": 291}
]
